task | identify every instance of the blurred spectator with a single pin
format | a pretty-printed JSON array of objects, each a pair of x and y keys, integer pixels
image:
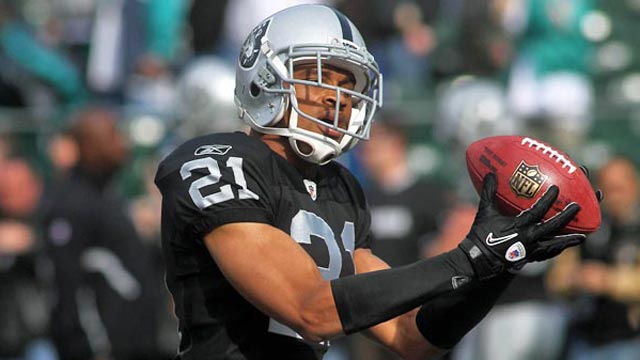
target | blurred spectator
[
  {"x": 471, "y": 40},
  {"x": 603, "y": 276},
  {"x": 23, "y": 293},
  {"x": 104, "y": 305},
  {"x": 401, "y": 222},
  {"x": 400, "y": 34},
  {"x": 456, "y": 222},
  {"x": 63, "y": 154},
  {"x": 150, "y": 79},
  {"x": 408, "y": 54},
  {"x": 145, "y": 212},
  {"x": 550, "y": 84},
  {"x": 125, "y": 48},
  {"x": 32, "y": 73},
  {"x": 472, "y": 53},
  {"x": 206, "y": 19}
]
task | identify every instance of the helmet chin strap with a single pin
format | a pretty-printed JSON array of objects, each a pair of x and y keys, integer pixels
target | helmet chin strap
[{"x": 322, "y": 150}]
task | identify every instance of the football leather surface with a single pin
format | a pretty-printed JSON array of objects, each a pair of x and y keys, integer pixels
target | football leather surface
[{"x": 525, "y": 168}]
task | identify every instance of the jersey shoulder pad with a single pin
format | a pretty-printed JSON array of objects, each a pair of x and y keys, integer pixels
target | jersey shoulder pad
[
  {"x": 219, "y": 146},
  {"x": 216, "y": 179}
]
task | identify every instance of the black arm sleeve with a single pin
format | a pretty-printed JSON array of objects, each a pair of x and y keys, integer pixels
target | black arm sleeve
[
  {"x": 445, "y": 320},
  {"x": 368, "y": 299}
]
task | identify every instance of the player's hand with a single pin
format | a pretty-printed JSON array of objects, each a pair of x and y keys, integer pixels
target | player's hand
[{"x": 497, "y": 242}]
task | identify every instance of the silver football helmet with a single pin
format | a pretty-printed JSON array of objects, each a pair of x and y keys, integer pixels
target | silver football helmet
[{"x": 264, "y": 77}]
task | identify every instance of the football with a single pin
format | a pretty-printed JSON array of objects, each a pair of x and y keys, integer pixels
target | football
[{"x": 525, "y": 168}]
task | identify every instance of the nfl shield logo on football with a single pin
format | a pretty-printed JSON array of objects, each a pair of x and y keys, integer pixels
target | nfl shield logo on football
[
  {"x": 516, "y": 252},
  {"x": 311, "y": 189},
  {"x": 527, "y": 180}
]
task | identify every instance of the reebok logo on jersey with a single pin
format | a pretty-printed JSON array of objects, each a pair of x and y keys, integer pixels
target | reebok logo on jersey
[
  {"x": 212, "y": 150},
  {"x": 492, "y": 241}
]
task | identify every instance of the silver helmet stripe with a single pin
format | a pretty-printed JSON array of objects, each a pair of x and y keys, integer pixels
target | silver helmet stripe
[{"x": 344, "y": 24}]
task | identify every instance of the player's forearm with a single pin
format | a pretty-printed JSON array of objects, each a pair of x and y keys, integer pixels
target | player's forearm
[
  {"x": 401, "y": 336},
  {"x": 367, "y": 299},
  {"x": 316, "y": 317},
  {"x": 445, "y": 320}
]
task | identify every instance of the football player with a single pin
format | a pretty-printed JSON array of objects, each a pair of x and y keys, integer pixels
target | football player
[{"x": 266, "y": 238}]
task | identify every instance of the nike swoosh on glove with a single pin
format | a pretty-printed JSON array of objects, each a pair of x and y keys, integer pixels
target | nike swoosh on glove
[{"x": 497, "y": 242}]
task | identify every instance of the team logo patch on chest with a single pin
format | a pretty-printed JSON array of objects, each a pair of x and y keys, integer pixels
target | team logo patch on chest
[
  {"x": 311, "y": 188},
  {"x": 527, "y": 180}
]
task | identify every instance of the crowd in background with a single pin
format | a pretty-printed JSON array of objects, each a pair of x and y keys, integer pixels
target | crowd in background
[{"x": 94, "y": 92}]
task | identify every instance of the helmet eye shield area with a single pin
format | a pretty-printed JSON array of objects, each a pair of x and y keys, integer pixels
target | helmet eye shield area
[
  {"x": 364, "y": 91},
  {"x": 324, "y": 96}
]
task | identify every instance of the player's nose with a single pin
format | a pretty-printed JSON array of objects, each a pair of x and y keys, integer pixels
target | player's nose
[{"x": 332, "y": 98}]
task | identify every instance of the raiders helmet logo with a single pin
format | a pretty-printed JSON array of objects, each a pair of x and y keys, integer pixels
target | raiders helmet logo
[
  {"x": 527, "y": 180},
  {"x": 251, "y": 47}
]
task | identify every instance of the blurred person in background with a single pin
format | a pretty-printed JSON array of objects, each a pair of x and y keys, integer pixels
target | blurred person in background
[
  {"x": 401, "y": 223},
  {"x": 471, "y": 40},
  {"x": 150, "y": 74},
  {"x": 146, "y": 211},
  {"x": 104, "y": 306},
  {"x": 206, "y": 20},
  {"x": 24, "y": 300},
  {"x": 550, "y": 84},
  {"x": 602, "y": 278},
  {"x": 62, "y": 152},
  {"x": 32, "y": 72},
  {"x": 470, "y": 101},
  {"x": 125, "y": 49},
  {"x": 402, "y": 38}
]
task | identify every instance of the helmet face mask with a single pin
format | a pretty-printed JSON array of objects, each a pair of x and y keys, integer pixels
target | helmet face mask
[{"x": 265, "y": 84}]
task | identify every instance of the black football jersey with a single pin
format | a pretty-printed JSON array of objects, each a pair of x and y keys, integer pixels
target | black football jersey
[{"x": 228, "y": 178}]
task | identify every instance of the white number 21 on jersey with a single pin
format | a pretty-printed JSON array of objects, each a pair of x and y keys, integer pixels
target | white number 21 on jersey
[{"x": 226, "y": 192}]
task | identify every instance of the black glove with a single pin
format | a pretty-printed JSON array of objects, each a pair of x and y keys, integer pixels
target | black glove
[{"x": 497, "y": 242}]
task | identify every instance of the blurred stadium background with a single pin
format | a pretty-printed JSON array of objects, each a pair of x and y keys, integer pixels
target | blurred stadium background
[
  {"x": 567, "y": 71},
  {"x": 169, "y": 68}
]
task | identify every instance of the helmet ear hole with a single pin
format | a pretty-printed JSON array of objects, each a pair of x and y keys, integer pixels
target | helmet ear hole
[{"x": 254, "y": 89}]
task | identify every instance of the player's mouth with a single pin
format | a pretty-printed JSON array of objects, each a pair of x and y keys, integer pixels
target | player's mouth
[{"x": 329, "y": 131}]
